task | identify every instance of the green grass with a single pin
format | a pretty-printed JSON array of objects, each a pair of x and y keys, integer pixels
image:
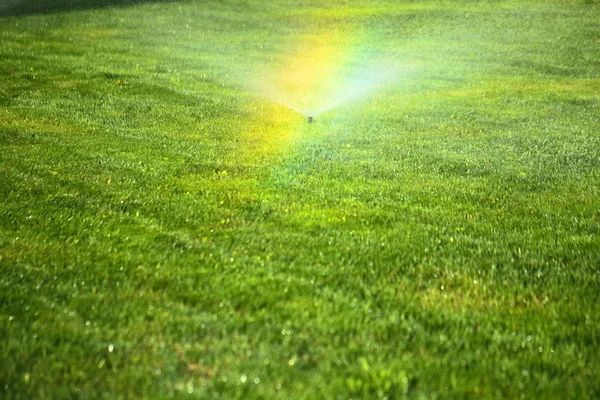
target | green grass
[{"x": 167, "y": 233}]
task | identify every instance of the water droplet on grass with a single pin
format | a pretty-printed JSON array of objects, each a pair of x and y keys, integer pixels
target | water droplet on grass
[
  {"x": 111, "y": 347},
  {"x": 243, "y": 378},
  {"x": 257, "y": 380}
]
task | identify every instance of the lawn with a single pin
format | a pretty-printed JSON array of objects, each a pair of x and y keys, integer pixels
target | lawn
[{"x": 172, "y": 227}]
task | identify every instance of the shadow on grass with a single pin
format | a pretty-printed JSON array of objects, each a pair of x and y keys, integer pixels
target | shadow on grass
[{"x": 27, "y": 7}]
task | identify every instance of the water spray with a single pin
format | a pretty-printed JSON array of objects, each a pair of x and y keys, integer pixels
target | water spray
[{"x": 345, "y": 89}]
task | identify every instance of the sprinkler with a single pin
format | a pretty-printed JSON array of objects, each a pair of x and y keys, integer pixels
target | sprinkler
[{"x": 310, "y": 119}]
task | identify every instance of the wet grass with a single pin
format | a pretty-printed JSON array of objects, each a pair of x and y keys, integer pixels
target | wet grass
[{"x": 166, "y": 232}]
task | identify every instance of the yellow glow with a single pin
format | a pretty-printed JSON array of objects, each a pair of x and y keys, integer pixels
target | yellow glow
[
  {"x": 308, "y": 78},
  {"x": 312, "y": 73},
  {"x": 269, "y": 131}
]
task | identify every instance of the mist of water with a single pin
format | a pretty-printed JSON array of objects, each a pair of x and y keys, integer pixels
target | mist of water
[
  {"x": 356, "y": 87},
  {"x": 328, "y": 92}
]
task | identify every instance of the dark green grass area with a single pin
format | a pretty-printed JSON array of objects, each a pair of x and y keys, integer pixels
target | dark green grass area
[{"x": 167, "y": 233}]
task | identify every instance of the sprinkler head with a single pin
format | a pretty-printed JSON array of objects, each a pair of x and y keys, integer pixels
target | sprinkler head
[{"x": 310, "y": 119}]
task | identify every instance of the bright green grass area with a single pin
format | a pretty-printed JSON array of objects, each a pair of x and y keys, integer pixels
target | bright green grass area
[{"x": 166, "y": 232}]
